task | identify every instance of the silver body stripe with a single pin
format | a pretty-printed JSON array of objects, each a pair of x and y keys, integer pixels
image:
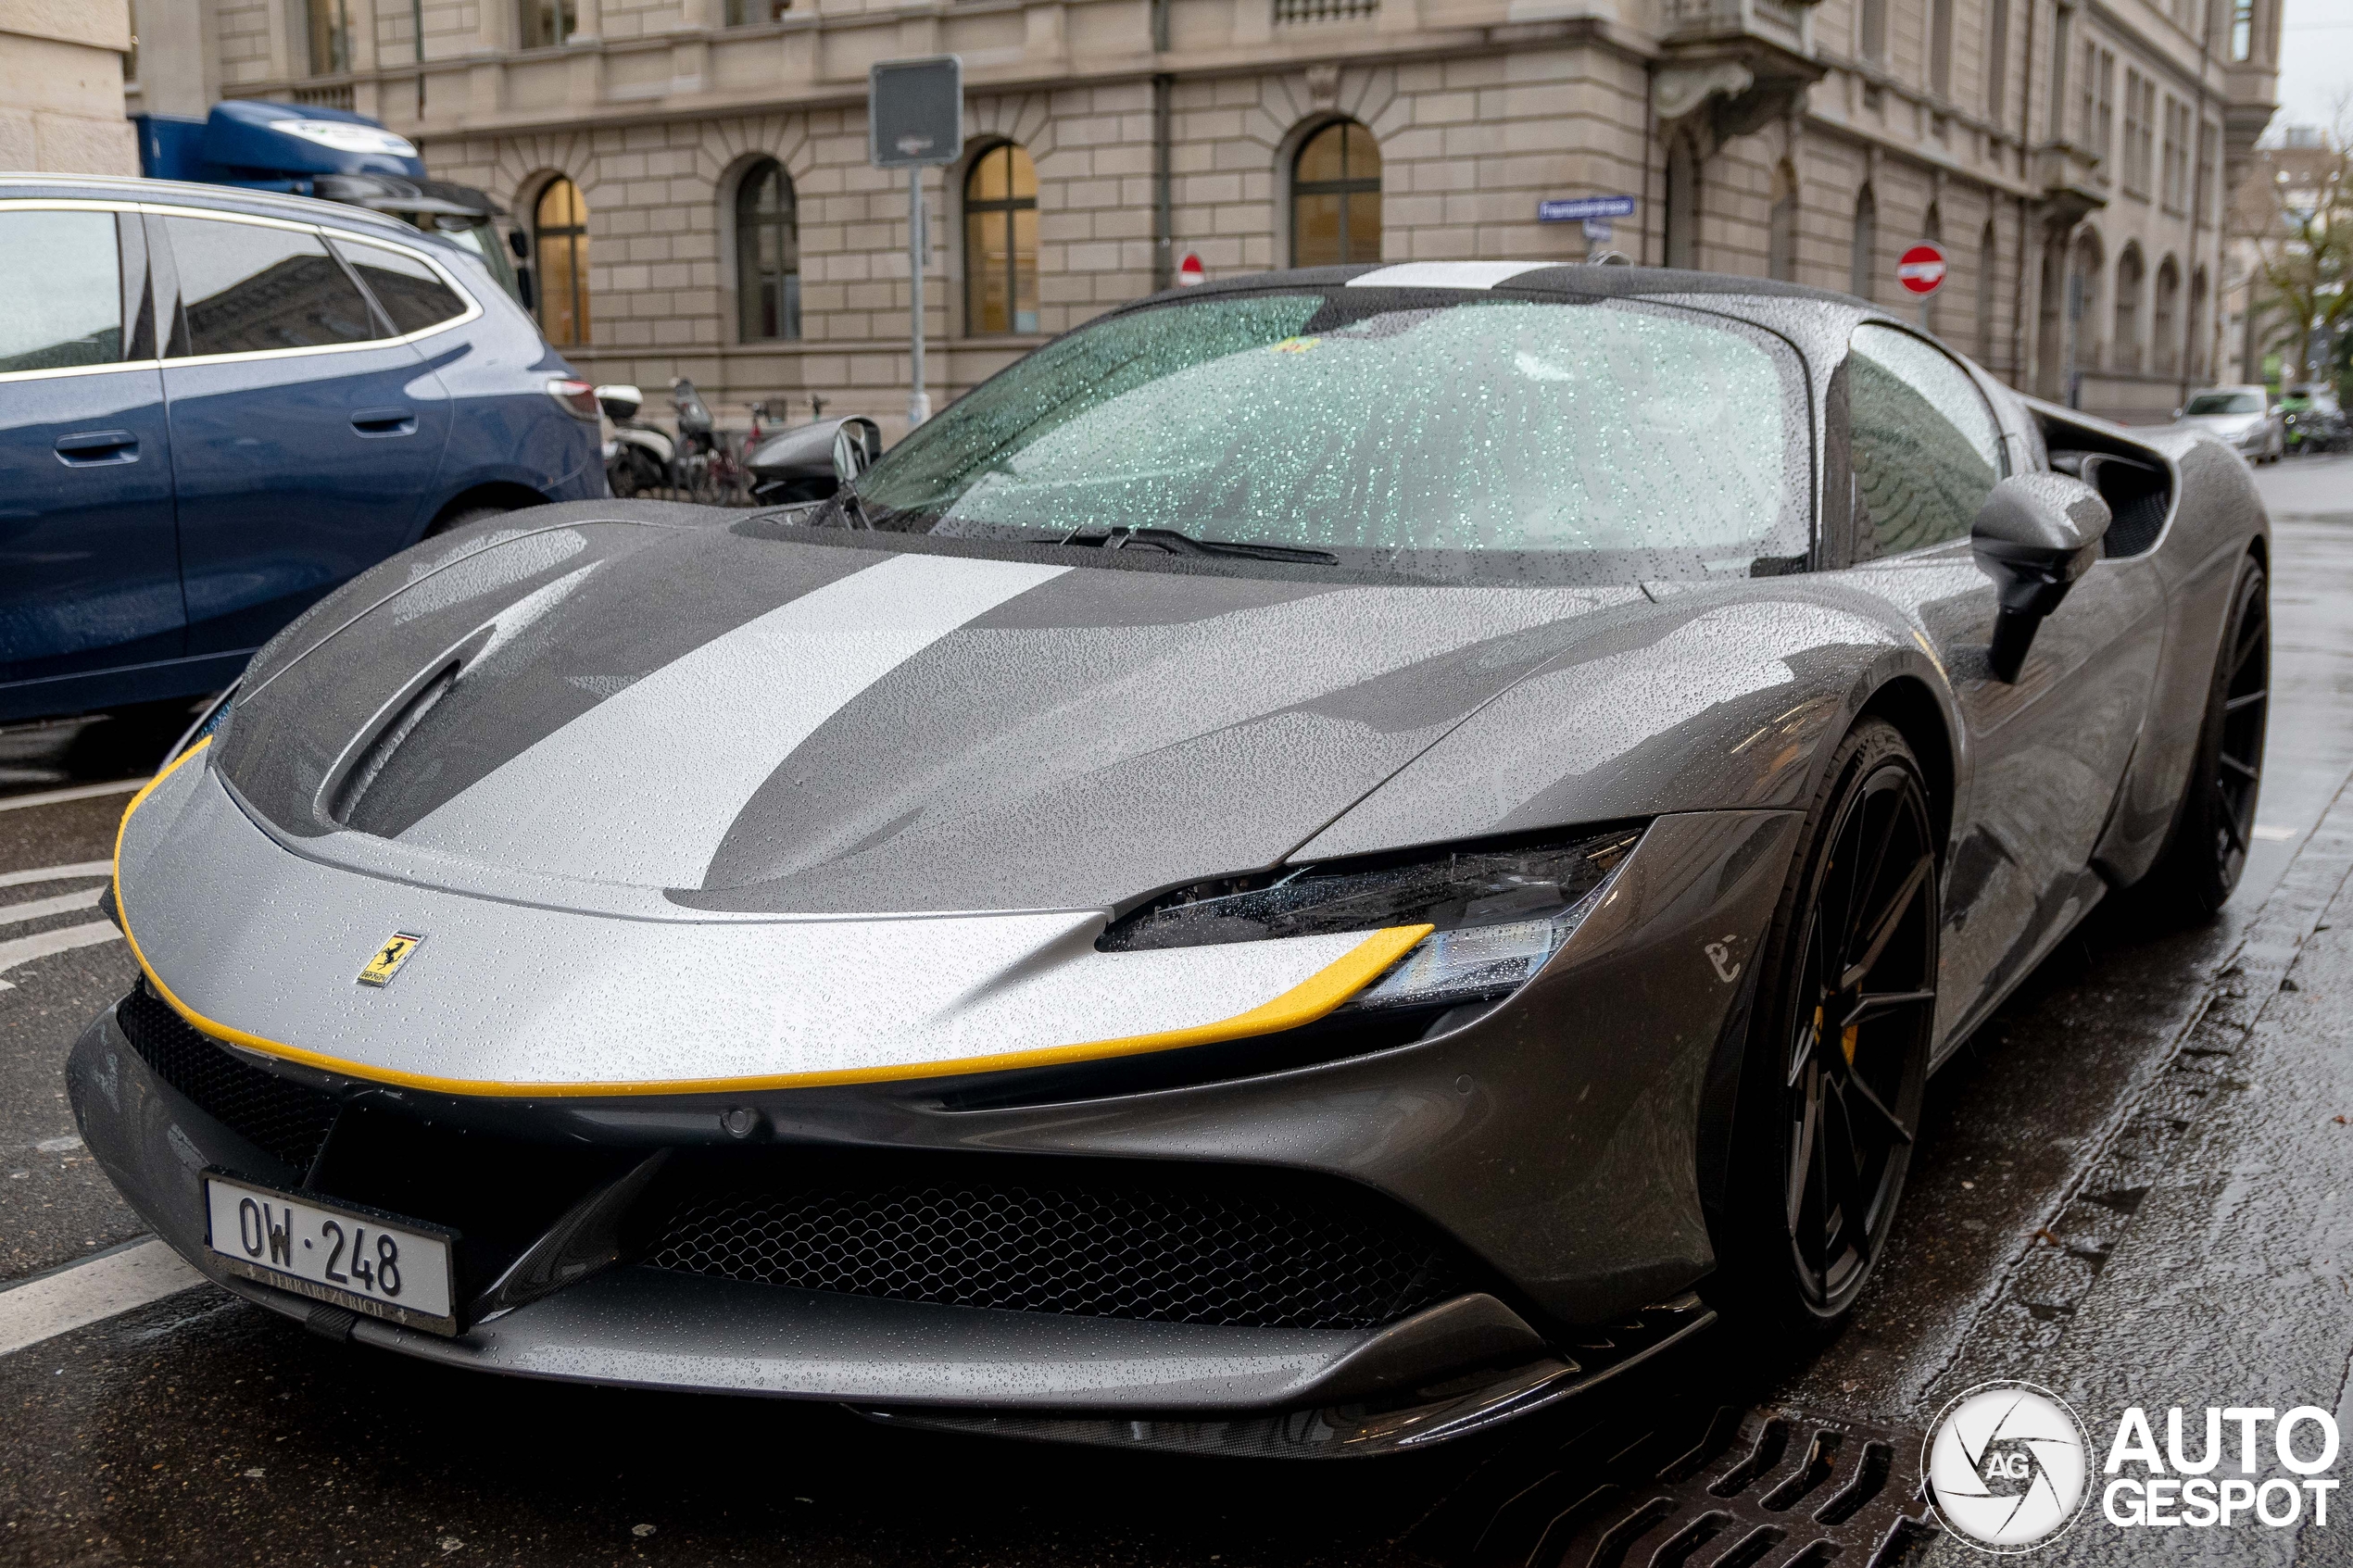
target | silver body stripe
[{"x": 641, "y": 788}]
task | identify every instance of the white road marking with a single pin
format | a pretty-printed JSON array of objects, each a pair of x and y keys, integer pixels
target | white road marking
[
  {"x": 641, "y": 788},
  {"x": 1446, "y": 274},
  {"x": 57, "y": 873},
  {"x": 24, "y": 949},
  {"x": 78, "y": 791},
  {"x": 35, "y": 909},
  {"x": 51, "y": 1304}
]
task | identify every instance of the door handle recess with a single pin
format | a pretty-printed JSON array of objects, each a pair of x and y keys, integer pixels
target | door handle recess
[
  {"x": 84, "y": 448},
  {"x": 385, "y": 421}
]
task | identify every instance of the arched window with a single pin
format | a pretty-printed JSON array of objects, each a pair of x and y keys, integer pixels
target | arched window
[
  {"x": 2196, "y": 333},
  {"x": 1988, "y": 258},
  {"x": 2085, "y": 264},
  {"x": 1683, "y": 204},
  {"x": 560, "y": 239},
  {"x": 1000, "y": 241},
  {"x": 1334, "y": 197},
  {"x": 1780, "y": 225},
  {"x": 1862, "y": 261},
  {"x": 767, "y": 254},
  {"x": 2165, "y": 320},
  {"x": 2127, "y": 338}
]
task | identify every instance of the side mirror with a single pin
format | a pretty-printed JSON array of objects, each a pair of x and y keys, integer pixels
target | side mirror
[
  {"x": 2037, "y": 534},
  {"x": 620, "y": 400}
]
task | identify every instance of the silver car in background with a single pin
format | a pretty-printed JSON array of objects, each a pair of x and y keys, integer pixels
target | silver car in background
[{"x": 2245, "y": 417}]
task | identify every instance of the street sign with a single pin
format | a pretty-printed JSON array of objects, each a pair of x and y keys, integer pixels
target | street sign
[
  {"x": 1922, "y": 270},
  {"x": 915, "y": 120},
  {"x": 1189, "y": 271},
  {"x": 1577, "y": 209},
  {"x": 915, "y": 112}
]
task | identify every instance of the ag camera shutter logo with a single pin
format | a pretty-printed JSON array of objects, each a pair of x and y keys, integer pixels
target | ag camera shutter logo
[{"x": 2006, "y": 1465}]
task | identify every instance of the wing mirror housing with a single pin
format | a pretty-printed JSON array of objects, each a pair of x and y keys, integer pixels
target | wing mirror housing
[{"x": 2037, "y": 534}]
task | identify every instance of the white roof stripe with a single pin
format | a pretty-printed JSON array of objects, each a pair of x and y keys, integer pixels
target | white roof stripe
[{"x": 1447, "y": 274}]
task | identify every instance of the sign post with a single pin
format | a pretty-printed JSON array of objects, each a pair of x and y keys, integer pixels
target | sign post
[
  {"x": 1921, "y": 271},
  {"x": 915, "y": 121}
]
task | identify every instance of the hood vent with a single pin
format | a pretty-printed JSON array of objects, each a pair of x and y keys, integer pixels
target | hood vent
[{"x": 343, "y": 801}]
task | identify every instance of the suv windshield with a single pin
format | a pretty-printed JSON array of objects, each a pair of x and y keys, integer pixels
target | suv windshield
[
  {"x": 2223, "y": 402},
  {"x": 1479, "y": 439}
]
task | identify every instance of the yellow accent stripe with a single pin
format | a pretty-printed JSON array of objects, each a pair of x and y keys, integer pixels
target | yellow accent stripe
[{"x": 1312, "y": 998}]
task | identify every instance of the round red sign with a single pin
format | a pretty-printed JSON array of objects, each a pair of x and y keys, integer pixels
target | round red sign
[
  {"x": 1189, "y": 271},
  {"x": 1921, "y": 269}
]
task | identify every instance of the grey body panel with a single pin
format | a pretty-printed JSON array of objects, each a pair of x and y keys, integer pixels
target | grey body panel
[{"x": 893, "y": 787}]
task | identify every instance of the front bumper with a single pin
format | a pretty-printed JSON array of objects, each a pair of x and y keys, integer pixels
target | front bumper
[{"x": 1553, "y": 1151}]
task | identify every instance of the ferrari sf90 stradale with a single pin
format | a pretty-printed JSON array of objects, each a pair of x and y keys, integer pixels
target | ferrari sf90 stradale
[{"x": 1317, "y": 864}]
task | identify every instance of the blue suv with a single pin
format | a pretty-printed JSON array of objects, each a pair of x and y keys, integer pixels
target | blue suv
[{"x": 216, "y": 406}]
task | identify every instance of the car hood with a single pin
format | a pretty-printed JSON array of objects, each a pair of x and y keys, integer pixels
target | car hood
[{"x": 752, "y": 718}]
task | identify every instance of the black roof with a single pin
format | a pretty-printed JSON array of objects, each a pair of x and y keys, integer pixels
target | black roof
[{"x": 1580, "y": 278}]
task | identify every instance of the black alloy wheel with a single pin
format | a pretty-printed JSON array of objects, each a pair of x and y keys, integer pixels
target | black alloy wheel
[
  {"x": 2215, "y": 821},
  {"x": 1858, "y": 1059},
  {"x": 1837, "y": 1066}
]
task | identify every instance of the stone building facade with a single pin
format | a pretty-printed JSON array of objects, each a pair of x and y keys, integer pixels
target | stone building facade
[
  {"x": 61, "y": 87},
  {"x": 710, "y": 155}
]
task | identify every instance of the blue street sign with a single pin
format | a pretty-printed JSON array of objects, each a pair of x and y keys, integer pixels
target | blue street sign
[{"x": 1575, "y": 209}]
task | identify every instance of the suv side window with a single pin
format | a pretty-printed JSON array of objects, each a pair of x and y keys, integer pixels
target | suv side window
[
  {"x": 61, "y": 274},
  {"x": 246, "y": 286},
  {"x": 412, "y": 294},
  {"x": 1925, "y": 448}
]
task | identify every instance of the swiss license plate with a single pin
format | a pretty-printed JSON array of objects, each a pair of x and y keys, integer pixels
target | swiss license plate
[{"x": 380, "y": 1265}]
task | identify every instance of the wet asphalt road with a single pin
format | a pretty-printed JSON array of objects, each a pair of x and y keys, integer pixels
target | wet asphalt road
[{"x": 2132, "y": 1189}]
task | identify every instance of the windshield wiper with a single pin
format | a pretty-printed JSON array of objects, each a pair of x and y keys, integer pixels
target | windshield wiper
[{"x": 1177, "y": 544}]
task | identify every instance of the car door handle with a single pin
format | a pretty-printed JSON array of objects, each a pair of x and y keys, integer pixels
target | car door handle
[
  {"x": 385, "y": 421},
  {"x": 85, "y": 449}
]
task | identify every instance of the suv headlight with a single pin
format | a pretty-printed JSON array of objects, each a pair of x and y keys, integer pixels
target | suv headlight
[{"x": 1499, "y": 912}]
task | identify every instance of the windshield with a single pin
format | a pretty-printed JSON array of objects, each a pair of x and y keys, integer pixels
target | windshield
[
  {"x": 1468, "y": 439},
  {"x": 2224, "y": 402}
]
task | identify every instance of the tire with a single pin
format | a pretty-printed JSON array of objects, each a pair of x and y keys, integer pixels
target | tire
[
  {"x": 1828, "y": 1110},
  {"x": 452, "y": 521},
  {"x": 2213, "y": 823}
]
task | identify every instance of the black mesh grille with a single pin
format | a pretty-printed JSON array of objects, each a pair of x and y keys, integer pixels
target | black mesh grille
[
  {"x": 283, "y": 1119},
  {"x": 1175, "y": 1244}
]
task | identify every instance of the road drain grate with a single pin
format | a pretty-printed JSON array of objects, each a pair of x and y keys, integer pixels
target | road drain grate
[{"x": 1722, "y": 1489}]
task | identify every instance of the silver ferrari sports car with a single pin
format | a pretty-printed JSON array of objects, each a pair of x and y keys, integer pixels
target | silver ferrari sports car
[{"x": 1326, "y": 860}]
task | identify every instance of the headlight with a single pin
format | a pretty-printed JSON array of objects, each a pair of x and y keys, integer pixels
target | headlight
[{"x": 1499, "y": 913}]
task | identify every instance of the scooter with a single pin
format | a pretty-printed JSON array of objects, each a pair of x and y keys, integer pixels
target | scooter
[{"x": 640, "y": 457}]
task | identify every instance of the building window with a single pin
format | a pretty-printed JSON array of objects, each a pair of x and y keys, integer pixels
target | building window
[
  {"x": 1997, "y": 56},
  {"x": 559, "y": 238},
  {"x": 2242, "y": 30},
  {"x": 1939, "y": 47},
  {"x": 1334, "y": 197},
  {"x": 1875, "y": 32},
  {"x": 1988, "y": 258},
  {"x": 543, "y": 24},
  {"x": 744, "y": 13},
  {"x": 2125, "y": 352},
  {"x": 2058, "y": 71},
  {"x": 767, "y": 254},
  {"x": 327, "y": 26},
  {"x": 1683, "y": 204},
  {"x": 2168, "y": 356},
  {"x": 2197, "y": 334},
  {"x": 2103, "y": 140},
  {"x": 1781, "y": 232},
  {"x": 1000, "y": 241},
  {"x": 2177, "y": 154},
  {"x": 2140, "y": 130},
  {"x": 1861, "y": 262}
]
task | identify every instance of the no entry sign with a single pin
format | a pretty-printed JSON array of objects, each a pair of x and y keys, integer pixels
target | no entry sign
[{"x": 1922, "y": 270}]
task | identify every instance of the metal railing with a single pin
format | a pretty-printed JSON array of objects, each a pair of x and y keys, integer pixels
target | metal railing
[{"x": 1289, "y": 12}]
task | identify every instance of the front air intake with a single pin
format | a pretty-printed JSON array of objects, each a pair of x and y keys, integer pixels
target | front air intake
[{"x": 1156, "y": 1241}]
